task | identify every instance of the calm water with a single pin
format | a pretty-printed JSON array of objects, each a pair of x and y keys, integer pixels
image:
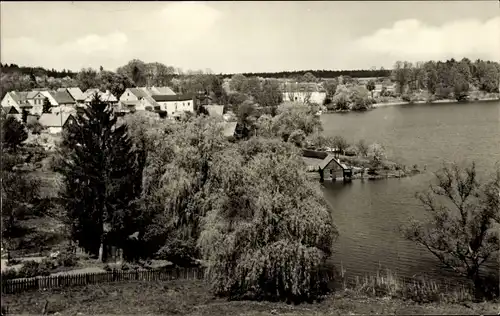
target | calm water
[{"x": 368, "y": 213}]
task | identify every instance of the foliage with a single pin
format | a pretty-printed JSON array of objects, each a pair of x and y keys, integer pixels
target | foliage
[
  {"x": 308, "y": 77},
  {"x": 86, "y": 79},
  {"x": 340, "y": 143},
  {"x": 13, "y": 132},
  {"x": 370, "y": 86},
  {"x": 341, "y": 100},
  {"x": 101, "y": 177},
  {"x": 295, "y": 116},
  {"x": 360, "y": 99},
  {"x": 377, "y": 153},
  {"x": 331, "y": 87},
  {"x": 238, "y": 83},
  {"x": 176, "y": 171},
  {"x": 267, "y": 230},
  {"x": 297, "y": 138},
  {"x": 179, "y": 252},
  {"x": 35, "y": 127},
  {"x": 460, "y": 230},
  {"x": 33, "y": 268},
  {"x": 67, "y": 259},
  {"x": 362, "y": 148}
]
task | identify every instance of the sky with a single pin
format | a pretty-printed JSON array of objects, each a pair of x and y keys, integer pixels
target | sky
[{"x": 233, "y": 37}]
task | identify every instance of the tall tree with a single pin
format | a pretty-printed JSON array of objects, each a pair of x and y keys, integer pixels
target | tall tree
[
  {"x": 13, "y": 132},
  {"x": 238, "y": 83},
  {"x": 86, "y": 79},
  {"x": 99, "y": 177},
  {"x": 270, "y": 241},
  {"x": 136, "y": 71},
  {"x": 370, "y": 86},
  {"x": 46, "y": 106}
]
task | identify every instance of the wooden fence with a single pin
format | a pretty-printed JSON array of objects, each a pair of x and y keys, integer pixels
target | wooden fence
[{"x": 68, "y": 280}]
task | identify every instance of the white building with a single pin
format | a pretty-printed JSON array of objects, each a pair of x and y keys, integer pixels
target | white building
[{"x": 174, "y": 105}]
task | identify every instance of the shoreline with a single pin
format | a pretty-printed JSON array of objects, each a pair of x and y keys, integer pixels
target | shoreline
[{"x": 378, "y": 105}]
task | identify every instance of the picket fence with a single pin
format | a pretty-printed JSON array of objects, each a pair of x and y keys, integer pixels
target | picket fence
[{"x": 68, "y": 280}]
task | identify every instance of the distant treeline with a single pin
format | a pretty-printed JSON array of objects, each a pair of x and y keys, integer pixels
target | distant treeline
[
  {"x": 36, "y": 71},
  {"x": 319, "y": 73}
]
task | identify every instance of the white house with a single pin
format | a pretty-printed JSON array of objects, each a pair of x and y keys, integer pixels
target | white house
[
  {"x": 303, "y": 92},
  {"x": 36, "y": 99},
  {"x": 104, "y": 96},
  {"x": 55, "y": 123},
  {"x": 77, "y": 95},
  {"x": 140, "y": 99},
  {"x": 13, "y": 99},
  {"x": 174, "y": 104}
]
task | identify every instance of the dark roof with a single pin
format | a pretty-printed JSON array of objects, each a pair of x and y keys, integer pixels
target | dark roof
[
  {"x": 9, "y": 110},
  {"x": 63, "y": 97},
  {"x": 164, "y": 98}
]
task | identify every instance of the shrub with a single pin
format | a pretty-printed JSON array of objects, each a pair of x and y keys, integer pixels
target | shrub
[
  {"x": 179, "y": 252},
  {"x": 67, "y": 259},
  {"x": 9, "y": 274},
  {"x": 32, "y": 268}
]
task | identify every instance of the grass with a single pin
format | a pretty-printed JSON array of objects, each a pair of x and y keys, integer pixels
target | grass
[{"x": 183, "y": 297}]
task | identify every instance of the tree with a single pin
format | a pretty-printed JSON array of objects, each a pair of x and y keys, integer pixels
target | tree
[
  {"x": 238, "y": 83},
  {"x": 268, "y": 236},
  {"x": 370, "y": 86},
  {"x": 362, "y": 148},
  {"x": 308, "y": 77},
  {"x": 330, "y": 87},
  {"x": 86, "y": 79},
  {"x": 13, "y": 133},
  {"x": 46, "y": 106},
  {"x": 270, "y": 96},
  {"x": 100, "y": 177},
  {"x": 460, "y": 232},
  {"x": 431, "y": 77},
  {"x": 176, "y": 172},
  {"x": 360, "y": 99},
  {"x": 402, "y": 74},
  {"x": 340, "y": 143},
  {"x": 114, "y": 82},
  {"x": 136, "y": 71},
  {"x": 24, "y": 116},
  {"x": 295, "y": 116},
  {"x": 377, "y": 153}
]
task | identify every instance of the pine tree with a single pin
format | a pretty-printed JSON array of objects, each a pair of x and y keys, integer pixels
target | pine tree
[
  {"x": 100, "y": 177},
  {"x": 46, "y": 106},
  {"x": 13, "y": 132}
]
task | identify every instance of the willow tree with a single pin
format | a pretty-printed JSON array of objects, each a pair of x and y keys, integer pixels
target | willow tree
[
  {"x": 267, "y": 230},
  {"x": 176, "y": 171}
]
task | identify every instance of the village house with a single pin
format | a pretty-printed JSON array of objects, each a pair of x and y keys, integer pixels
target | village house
[
  {"x": 107, "y": 96},
  {"x": 65, "y": 101},
  {"x": 303, "y": 92},
  {"x": 11, "y": 111},
  {"x": 174, "y": 105},
  {"x": 15, "y": 99},
  {"x": 55, "y": 122},
  {"x": 36, "y": 99},
  {"x": 140, "y": 99},
  {"x": 76, "y": 94}
]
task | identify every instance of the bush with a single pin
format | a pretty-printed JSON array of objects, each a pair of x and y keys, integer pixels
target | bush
[
  {"x": 32, "y": 268},
  {"x": 179, "y": 252},
  {"x": 67, "y": 259},
  {"x": 9, "y": 274}
]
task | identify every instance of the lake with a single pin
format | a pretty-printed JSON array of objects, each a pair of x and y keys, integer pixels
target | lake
[{"x": 368, "y": 213}]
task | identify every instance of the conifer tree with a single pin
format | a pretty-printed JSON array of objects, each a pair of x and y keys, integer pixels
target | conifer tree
[{"x": 100, "y": 177}]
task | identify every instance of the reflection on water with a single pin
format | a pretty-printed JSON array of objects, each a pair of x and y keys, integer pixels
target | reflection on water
[{"x": 368, "y": 214}]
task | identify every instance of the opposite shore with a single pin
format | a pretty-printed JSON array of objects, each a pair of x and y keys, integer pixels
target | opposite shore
[{"x": 377, "y": 105}]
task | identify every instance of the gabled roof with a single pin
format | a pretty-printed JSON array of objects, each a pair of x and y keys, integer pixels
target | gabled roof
[
  {"x": 229, "y": 128},
  {"x": 148, "y": 91},
  {"x": 63, "y": 97},
  {"x": 32, "y": 94},
  {"x": 54, "y": 120},
  {"x": 104, "y": 96},
  {"x": 215, "y": 110},
  {"x": 76, "y": 94},
  {"x": 138, "y": 92},
  {"x": 10, "y": 110},
  {"x": 164, "y": 90},
  {"x": 166, "y": 98},
  {"x": 18, "y": 97}
]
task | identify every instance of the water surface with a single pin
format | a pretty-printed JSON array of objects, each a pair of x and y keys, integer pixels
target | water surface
[{"x": 369, "y": 213}]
